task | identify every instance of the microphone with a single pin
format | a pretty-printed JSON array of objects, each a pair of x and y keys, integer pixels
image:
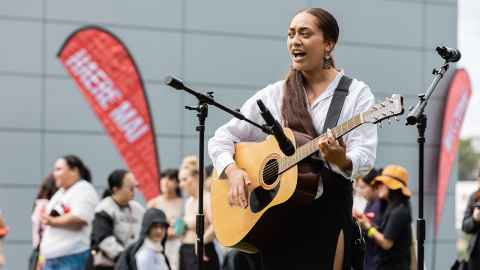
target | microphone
[
  {"x": 285, "y": 144},
  {"x": 449, "y": 54},
  {"x": 174, "y": 82}
]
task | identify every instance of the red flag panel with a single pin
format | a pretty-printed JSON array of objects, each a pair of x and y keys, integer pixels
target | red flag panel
[
  {"x": 458, "y": 96},
  {"x": 110, "y": 81}
]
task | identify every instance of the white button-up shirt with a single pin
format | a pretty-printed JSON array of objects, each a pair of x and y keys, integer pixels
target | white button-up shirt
[{"x": 361, "y": 143}]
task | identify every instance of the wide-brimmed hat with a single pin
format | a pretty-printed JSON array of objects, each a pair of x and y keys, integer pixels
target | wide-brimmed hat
[{"x": 394, "y": 177}]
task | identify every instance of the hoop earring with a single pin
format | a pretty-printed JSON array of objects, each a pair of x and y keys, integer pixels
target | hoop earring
[{"x": 327, "y": 62}]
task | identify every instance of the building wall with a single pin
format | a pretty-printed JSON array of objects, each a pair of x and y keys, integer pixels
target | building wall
[{"x": 231, "y": 47}]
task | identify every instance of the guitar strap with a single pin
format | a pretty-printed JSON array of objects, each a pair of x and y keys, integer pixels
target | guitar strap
[{"x": 337, "y": 102}]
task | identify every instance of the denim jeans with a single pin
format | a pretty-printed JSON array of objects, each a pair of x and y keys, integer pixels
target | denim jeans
[{"x": 70, "y": 262}]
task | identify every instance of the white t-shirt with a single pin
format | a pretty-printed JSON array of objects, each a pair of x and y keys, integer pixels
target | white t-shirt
[{"x": 79, "y": 200}]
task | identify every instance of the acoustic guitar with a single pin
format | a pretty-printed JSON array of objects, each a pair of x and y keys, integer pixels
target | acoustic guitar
[{"x": 275, "y": 189}]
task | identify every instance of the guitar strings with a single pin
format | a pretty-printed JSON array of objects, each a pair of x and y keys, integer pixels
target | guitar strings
[{"x": 272, "y": 169}]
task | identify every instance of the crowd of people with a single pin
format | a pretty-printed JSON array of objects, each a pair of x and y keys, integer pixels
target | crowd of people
[{"x": 72, "y": 228}]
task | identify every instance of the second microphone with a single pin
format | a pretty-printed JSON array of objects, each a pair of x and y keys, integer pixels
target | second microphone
[{"x": 277, "y": 131}]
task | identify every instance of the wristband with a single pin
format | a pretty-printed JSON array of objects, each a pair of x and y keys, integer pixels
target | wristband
[{"x": 371, "y": 232}]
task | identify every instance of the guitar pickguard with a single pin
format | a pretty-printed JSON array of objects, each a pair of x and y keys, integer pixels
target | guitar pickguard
[{"x": 260, "y": 197}]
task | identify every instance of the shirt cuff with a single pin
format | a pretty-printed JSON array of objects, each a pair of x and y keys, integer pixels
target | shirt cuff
[
  {"x": 355, "y": 165},
  {"x": 222, "y": 161},
  {"x": 336, "y": 169}
]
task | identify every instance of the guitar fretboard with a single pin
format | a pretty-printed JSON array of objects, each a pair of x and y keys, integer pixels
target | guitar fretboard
[{"x": 311, "y": 147}]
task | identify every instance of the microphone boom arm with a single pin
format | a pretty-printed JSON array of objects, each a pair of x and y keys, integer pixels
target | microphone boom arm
[
  {"x": 419, "y": 108},
  {"x": 208, "y": 99}
]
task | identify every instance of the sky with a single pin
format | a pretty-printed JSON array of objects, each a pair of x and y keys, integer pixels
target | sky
[{"x": 469, "y": 46}]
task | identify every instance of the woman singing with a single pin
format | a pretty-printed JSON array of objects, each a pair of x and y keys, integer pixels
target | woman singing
[{"x": 322, "y": 232}]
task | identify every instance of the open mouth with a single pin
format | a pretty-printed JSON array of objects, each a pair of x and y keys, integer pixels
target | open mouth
[{"x": 298, "y": 55}]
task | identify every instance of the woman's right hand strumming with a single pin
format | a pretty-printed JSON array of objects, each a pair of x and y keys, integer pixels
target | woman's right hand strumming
[{"x": 239, "y": 180}]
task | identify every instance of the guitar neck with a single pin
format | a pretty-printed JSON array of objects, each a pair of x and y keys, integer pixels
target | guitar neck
[{"x": 312, "y": 146}]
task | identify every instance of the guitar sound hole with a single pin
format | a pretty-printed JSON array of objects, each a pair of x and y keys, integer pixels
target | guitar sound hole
[{"x": 270, "y": 172}]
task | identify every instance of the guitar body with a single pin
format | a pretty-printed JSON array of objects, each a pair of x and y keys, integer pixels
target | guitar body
[{"x": 270, "y": 197}]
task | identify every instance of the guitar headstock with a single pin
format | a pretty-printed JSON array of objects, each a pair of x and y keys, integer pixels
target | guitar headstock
[{"x": 391, "y": 106}]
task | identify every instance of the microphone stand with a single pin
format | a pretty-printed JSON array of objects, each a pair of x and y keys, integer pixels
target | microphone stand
[
  {"x": 418, "y": 117},
  {"x": 202, "y": 113}
]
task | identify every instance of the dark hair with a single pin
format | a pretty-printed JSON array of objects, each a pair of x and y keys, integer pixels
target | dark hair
[
  {"x": 209, "y": 170},
  {"x": 47, "y": 188},
  {"x": 75, "y": 162},
  {"x": 115, "y": 180},
  {"x": 325, "y": 22},
  {"x": 396, "y": 197},
  {"x": 368, "y": 179},
  {"x": 294, "y": 106},
  {"x": 172, "y": 174}
]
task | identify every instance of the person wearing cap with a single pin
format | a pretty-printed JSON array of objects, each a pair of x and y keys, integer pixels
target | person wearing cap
[
  {"x": 149, "y": 251},
  {"x": 393, "y": 235},
  {"x": 373, "y": 212}
]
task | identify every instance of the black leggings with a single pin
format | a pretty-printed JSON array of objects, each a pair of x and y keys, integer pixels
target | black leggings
[{"x": 189, "y": 261}]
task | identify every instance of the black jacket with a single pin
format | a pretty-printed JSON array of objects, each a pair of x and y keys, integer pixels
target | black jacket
[
  {"x": 470, "y": 226},
  {"x": 127, "y": 259}
]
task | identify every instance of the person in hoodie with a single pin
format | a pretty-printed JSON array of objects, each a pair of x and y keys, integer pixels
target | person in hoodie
[
  {"x": 117, "y": 220},
  {"x": 149, "y": 251}
]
